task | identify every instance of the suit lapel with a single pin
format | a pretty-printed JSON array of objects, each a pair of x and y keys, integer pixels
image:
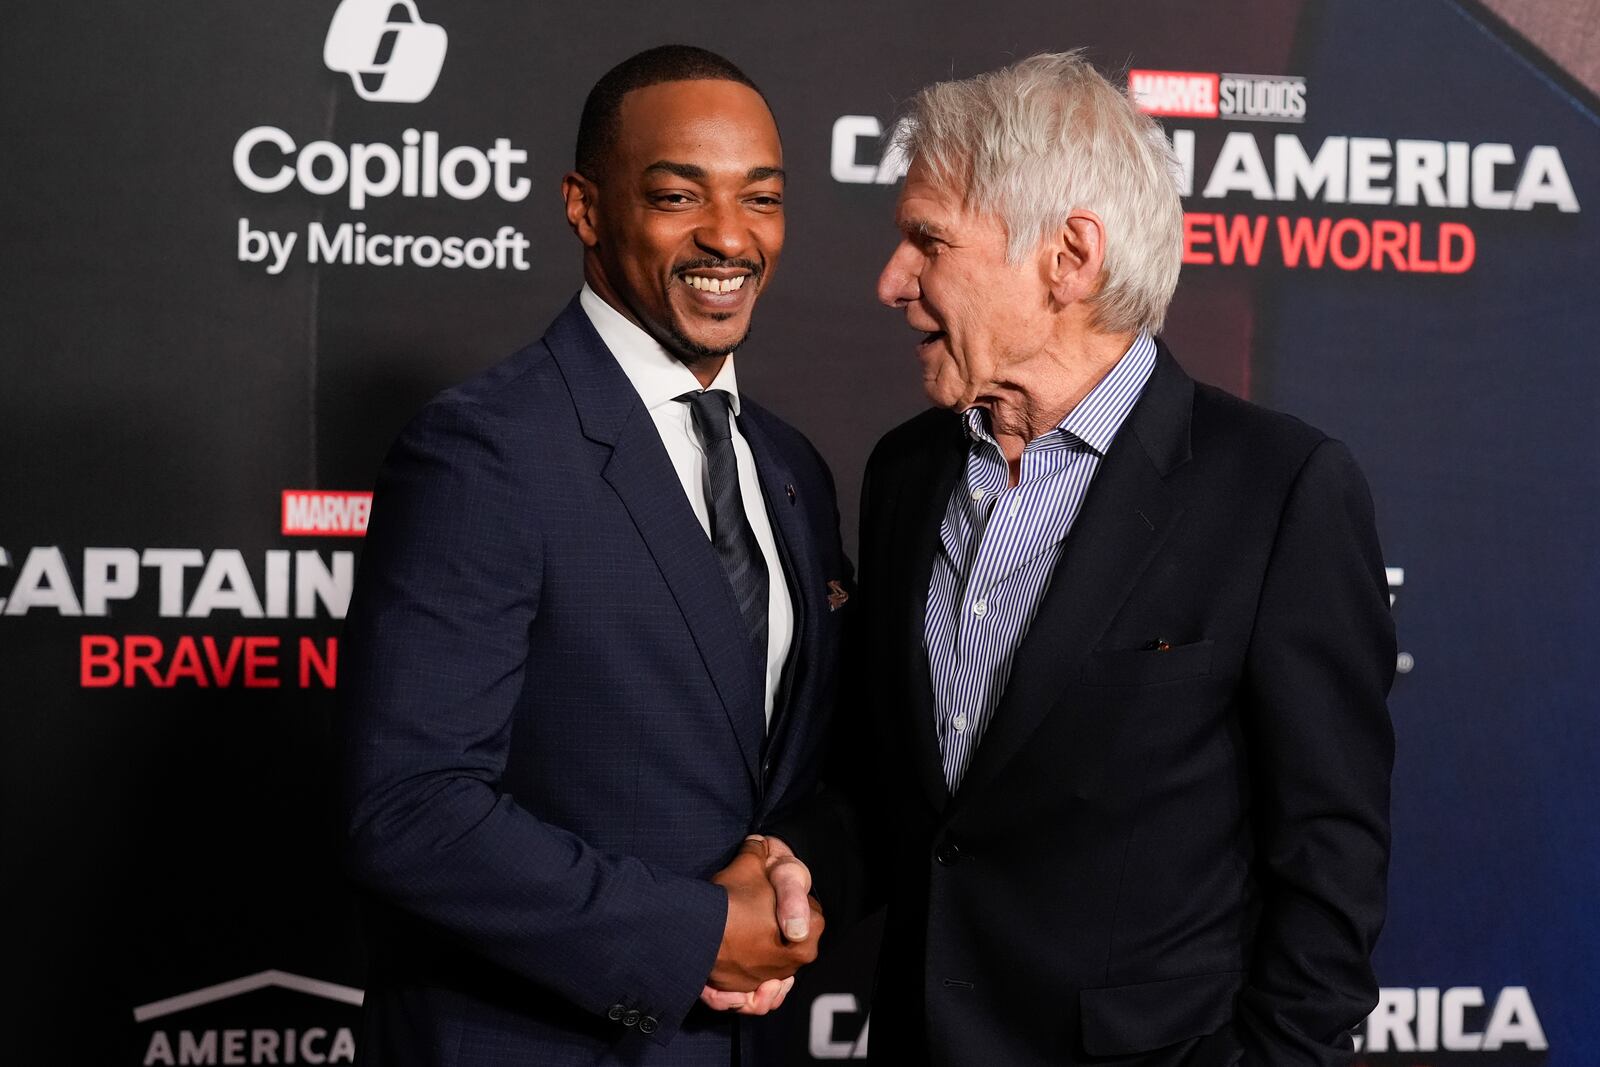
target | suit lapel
[
  {"x": 1126, "y": 516},
  {"x": 913, "y": 541},
  {"x": 643, "y": 478}
]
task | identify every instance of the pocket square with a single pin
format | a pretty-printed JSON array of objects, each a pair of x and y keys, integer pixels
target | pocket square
[{"x": 837, "y": 595}]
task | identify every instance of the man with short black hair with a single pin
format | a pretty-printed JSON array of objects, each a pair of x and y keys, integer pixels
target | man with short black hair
[{"x": 592, "y": 642}]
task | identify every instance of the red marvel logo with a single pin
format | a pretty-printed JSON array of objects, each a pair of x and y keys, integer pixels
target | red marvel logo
[
  {"x": 314, "y": 513},
  {"x": 1182, "y": 94}
]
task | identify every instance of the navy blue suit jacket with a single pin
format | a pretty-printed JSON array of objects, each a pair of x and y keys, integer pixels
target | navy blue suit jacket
[{"x": 554, "y": 721}]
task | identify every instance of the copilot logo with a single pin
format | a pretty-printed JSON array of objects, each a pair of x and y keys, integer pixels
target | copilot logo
[{"x": 391, "y": 55}]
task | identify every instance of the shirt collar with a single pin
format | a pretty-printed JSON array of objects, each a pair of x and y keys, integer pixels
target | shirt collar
[
  {"x": 657, "y": 376},
  {"x": 1097, "y": 417}
]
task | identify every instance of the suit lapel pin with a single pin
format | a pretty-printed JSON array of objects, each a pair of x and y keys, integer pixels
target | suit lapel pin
[
  {"x": 789, "y": 489},
  {"x": 837, "y": 596}
]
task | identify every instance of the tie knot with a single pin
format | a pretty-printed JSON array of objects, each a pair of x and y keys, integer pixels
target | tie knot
[{"x": 710, "y": 410}]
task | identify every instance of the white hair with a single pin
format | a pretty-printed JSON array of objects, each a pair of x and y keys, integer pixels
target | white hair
[{"x": 1031, "y": 142}]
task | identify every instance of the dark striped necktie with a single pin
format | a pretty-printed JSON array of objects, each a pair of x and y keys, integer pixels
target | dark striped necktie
[{"x": 731, "y": 536}]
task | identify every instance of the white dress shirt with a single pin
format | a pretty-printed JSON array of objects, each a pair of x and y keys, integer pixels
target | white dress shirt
[{"x": 659, "y": 378}]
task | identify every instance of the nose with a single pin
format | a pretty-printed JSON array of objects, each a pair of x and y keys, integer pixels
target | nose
[
  {"x": 898, "y": 285},
  {"x": 722, "y": 231}
]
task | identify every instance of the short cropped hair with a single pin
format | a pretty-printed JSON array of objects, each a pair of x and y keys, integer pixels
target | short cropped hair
[
  {"x": 597, "y": 128},
  {"x": 1032, "y": 141}
]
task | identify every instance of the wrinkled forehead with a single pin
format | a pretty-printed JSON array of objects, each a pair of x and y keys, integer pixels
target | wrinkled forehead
[{"x": 931, "y": 201}]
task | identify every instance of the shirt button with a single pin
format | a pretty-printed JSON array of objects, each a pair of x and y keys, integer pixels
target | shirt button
[
  {"x": 981, "y": 608},
  {"x": 959, "y": 722},
  {"x": 977, "y": 494}
]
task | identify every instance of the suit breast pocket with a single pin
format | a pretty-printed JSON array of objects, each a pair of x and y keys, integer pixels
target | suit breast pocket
[{"x": 1141, "y": 666}]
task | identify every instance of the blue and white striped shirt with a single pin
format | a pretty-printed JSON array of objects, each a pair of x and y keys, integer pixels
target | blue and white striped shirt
[{"x": 999, "y": 547}]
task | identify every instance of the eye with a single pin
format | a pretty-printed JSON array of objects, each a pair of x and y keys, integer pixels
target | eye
[
  {"x": 766, "y": 201},
  {"x": 671, "y": 199}
]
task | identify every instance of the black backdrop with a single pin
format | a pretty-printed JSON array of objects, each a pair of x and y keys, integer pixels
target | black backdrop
[{"x": 168, "y": 858}]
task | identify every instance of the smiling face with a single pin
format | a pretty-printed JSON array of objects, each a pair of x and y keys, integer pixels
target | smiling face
[
  {"x": 683, "y": 227},
  {"x": 980, "y": 316}
]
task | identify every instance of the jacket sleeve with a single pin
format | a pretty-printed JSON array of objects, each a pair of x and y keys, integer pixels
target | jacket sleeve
[
  {"x": 1318, "y": 669},
  {"x": 436, "y": 651}
]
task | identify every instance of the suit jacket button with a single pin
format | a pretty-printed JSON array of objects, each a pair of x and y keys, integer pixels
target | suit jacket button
[
  {"x": 948, "y": 854},
  {"x": 631, "y": 1019},
  {"x": 648, "y": 1024},
  {"x": 615, "y": 1013}
]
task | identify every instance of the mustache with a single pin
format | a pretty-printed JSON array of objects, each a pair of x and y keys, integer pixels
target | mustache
[{"x": 710, "y": 263}]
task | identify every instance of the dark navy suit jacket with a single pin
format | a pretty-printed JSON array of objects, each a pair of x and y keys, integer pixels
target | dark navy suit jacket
[{"x": 554, "y": 721}]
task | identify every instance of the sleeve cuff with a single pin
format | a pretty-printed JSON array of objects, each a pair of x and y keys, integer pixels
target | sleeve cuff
[{"x": 656, "y": 989}]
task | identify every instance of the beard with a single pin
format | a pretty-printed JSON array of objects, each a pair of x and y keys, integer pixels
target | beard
[{"x": 689, "y": 351}]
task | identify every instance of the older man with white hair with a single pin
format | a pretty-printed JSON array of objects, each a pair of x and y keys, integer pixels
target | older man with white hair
[{"x": 1122, "y": 756}]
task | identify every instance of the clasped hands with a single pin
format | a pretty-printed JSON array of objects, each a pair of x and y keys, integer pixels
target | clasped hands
[{"x": 772, "y": 929}]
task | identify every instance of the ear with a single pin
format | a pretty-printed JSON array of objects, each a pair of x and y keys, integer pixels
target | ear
[
  {"x": 1077, "y": 255},
  {"x": 581, "y": 196}
]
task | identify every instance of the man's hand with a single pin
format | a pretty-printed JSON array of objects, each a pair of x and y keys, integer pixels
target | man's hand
[
  {"x": 772, "y": 928},
  {"x": 791, "y": 881},
  {"x": 767, "y": 997}
]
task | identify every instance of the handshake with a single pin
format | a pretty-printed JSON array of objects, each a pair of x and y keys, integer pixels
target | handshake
[{"x": 772, "y": 929}]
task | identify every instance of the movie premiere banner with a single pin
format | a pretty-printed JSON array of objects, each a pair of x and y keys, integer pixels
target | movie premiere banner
[{"x": 245, "y": 243}]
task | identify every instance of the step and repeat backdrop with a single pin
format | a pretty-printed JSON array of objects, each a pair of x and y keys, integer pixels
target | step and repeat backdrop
[{"x": 245, "y": 242}]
